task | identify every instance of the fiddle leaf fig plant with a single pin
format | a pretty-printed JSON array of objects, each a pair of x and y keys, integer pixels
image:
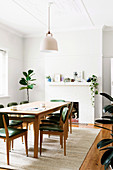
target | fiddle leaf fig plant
[
  {"x": 93, "y": 87},
  {"x": 27, "y": 82}
]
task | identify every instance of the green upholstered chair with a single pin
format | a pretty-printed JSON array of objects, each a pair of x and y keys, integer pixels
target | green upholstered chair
[
  {"x": 57, "y": 129},
  {"x": 1, "y": 106},
  {"x": 27, "y": 122},
  {"x": 9, "y": 134},
  {"x": 14, "y": 123},
  {"x": 12, "y": 104},
  {"x": 55, "y": 117},
  {"x": 24, "y": 102}
]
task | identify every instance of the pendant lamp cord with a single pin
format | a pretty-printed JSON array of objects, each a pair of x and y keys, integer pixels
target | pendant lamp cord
[{"x": 49, "y": 5}]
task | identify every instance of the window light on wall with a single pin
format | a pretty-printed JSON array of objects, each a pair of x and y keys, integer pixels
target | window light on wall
[{"x": 3, "y": 73}]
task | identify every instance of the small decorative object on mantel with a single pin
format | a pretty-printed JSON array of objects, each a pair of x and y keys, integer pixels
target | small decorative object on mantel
[
  {"x": 48, "y": 78},
  {"x": 67, "y": 80},
  {"x": 93, "y": 87},
  {"x": 57, "y": 77}
]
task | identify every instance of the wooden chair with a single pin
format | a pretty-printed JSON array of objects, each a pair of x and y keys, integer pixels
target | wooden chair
[
  {"x": 55, "y": 117},
  {"x": 57, "y": 129},
  {"x": 10, "y": 134},
  {"x": 26, "y": 121}
]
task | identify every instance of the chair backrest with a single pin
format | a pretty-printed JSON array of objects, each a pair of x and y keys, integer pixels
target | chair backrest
[
  {"x": 12, "y": 104},
  {"x": 24, "y": 102},
  {"x": 1, "y": 106},
  {"x": 66, "y": 111},
  {"x": 1, "y": 120},
  {"x": 57, "y": 100}
]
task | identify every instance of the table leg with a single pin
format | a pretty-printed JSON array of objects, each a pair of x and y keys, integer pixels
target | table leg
[{"x": 36, "y": 135}]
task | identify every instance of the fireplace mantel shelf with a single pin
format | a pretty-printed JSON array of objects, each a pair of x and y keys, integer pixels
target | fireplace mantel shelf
[{"x": 84, "y": 83}]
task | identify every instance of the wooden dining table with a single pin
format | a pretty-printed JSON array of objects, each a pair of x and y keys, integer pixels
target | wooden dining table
[{"x": 39, "y": 109}]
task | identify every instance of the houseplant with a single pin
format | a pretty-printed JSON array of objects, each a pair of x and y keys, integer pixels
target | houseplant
[
  {"x": 93, "y": 87},
  {"x": 27, "y": 82},
  {"x": 107, "y": 157}
]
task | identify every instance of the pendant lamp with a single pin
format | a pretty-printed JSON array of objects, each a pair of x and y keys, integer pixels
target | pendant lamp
[{"x": 49, "y": 44}]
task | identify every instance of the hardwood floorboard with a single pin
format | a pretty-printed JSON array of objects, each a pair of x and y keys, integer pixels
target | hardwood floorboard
[{"x": 92, "y": 160}]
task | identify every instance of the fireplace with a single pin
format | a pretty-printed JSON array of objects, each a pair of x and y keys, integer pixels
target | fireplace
[{"x": 75, "y": 112}]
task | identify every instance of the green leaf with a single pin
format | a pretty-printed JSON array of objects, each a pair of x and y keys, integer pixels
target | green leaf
[
  {"x": 30, "y": 71},
  {"x": 110, "y": 147},
  {"x": 32, "y": 79},
  {"x": 25, "y": 74},
  {"x": 28, "y": 78},
  {"x": 96, "y": 92},
  {"x": 107, "y": 156},
  {"x": 30, "y": 86},
  {"x": 22, "y": 88},
  {"x": 104, "y": 121},
  {"x": 103, "y": 127},
  {"x": 23, "y": 81},
  {"x": 104, "y": 142}
]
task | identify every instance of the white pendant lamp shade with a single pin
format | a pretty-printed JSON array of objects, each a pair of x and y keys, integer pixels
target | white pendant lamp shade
[{"x": 49, "y": 44}]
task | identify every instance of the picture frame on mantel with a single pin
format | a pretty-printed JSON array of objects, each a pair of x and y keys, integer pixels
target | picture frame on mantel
[{"x": 57, "y": 77}]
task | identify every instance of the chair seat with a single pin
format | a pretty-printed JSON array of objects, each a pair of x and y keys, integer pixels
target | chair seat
[
  {"x": 29, "y": 116},
  {"x": 15, "y": 123},
  {"x": 54, "y": 114},
  {"x": 50, "y": 127},
  {"x": 49, "y": 121},
  {"x": 12, "y": 132},
  {"x": 56, "y": 118}
]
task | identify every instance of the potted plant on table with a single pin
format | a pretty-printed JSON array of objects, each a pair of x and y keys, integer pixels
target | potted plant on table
[{"x": 27, "y": 82}]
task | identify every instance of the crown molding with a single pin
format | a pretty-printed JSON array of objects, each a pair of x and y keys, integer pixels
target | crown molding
[
  {"x": 40, "y": 34},
  {"x": 11, "y": 30},
  {"x": 107, "y": 28}
]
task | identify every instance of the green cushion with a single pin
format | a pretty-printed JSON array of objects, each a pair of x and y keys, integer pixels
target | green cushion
[
  {"x": 15, "y": 123},
  {"x": 50, "y": 127},
  {"x": 29, "y": 116},
  {"x": 49, "y": 121},
  {"x": 24, "y": 102},
  {"x": 1, "y": 106},
  {"x": 57, "y": 100},
  {"x": 55, "y": 118},
  {"x": 54, "y": 114},
  {"x": 12, "y": 132},
  {"x": 12, "y": 104}
]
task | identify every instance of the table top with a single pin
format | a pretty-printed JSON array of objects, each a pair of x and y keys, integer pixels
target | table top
[{"x": 34, "y": 108}]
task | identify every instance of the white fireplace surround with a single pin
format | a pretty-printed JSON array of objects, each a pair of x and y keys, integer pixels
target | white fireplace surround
[{"x": 76, "y": 92}]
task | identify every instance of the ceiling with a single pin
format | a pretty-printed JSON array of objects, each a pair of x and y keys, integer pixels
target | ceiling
[{"x": 30, "y": 16}]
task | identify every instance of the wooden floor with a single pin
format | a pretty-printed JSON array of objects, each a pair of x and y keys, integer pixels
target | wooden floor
[{"x": 93, "y": 157}]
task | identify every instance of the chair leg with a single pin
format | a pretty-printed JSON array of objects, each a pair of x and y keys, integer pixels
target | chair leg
[
  {"x": 71, "y": 123},
  {"x": 64, "y": 144},
  {"x": 41, "y": 136},
  {"x": 12, "y": 143},
  {"x": 26, "y": 147},
  {"x": 22, "y": 136},
  {"x": 61, "y": 141},
  {"x": 7, "y": 148}
]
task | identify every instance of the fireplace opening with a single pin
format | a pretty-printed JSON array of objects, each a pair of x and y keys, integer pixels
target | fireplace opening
[{"x": 75, "y": 112}]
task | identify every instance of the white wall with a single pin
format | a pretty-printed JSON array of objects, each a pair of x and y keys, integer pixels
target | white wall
[
  {"x": 14, "y": 44},
  {"x": 35, "y": 60},
  {"x": 107, "y": 56},
  {"x": 78, "y": 51}
]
